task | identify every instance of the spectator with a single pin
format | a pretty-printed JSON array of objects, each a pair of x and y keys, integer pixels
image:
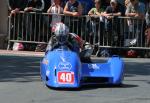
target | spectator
[
  {"x": 55, "y": 8},
  {"x": 72, "y": 10},
  {"x": 14, "y": 6},
  {"x": 97, "y": 9},
  {"x": 35, "y": 5},
  {"x": 33, "y": 21},
  {"x": 111, "y": 22},
  {"x": 96, "y": 22},
  {"x": 136, "y": 9}
]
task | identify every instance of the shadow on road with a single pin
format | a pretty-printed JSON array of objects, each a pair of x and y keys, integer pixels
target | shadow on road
[
  {"x": 27, "y": 69},
  {"x": 92, "y": 87},
  {"x": 19, "y": 69}
]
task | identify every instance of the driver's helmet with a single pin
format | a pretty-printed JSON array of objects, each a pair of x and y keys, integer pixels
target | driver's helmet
[{"x": 61, "y": 32}]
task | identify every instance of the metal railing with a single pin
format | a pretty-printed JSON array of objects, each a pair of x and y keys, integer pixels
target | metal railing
[{"x": 118, "y": 32}]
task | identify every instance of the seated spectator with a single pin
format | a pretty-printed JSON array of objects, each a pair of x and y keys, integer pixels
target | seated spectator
[
  {"x": 136, "y": 9},
  {"x": 111, "y": 22}
]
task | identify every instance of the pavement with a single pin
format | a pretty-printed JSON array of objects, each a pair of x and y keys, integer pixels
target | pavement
[
  {"x": 21, "y": 53},
  {"x": 20, "y": 82}
]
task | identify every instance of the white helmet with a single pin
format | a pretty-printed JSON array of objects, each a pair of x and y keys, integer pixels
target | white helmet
[{"x": 61, "y": 31}]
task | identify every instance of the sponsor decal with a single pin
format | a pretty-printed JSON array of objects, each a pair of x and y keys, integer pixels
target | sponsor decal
[
  {"x": 45, "y": 61},
  {"x": 47, "y": 72},
  {"x": 64, "y": 66},
  {"x": 93, "y": 66}
]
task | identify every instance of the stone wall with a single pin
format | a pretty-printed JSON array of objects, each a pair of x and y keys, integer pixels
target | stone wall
[{"x": 3, "y": 22}]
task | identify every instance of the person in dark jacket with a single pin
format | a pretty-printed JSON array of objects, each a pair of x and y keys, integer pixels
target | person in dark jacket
[
  {"x": 35, "y": 5},
  {"x": 16, "y": 5},
  {"x": 34, "y": 20}
]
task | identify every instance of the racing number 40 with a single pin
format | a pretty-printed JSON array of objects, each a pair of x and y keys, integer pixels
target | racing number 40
[{"x": 66, "y": 77}]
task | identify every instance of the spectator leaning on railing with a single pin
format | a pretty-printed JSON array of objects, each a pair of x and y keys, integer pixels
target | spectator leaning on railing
[
  {"x": 96, "y": 22},
  {"x": 136, "y": 10},
  {"x": 35, "y": 5},
  {"x": 72, "y": 10},
  {"x": 55, "y": 9},
  {"x": 14, "y": 6},
  {"x": 111, "y": 22},
  {"x": 34, "y": 20}
]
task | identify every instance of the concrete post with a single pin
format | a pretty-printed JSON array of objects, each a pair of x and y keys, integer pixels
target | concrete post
[{"x": 3, "y": 22}]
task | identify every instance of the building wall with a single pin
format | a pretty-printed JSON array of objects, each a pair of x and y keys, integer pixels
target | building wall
[{"x": 3, "y": 21}]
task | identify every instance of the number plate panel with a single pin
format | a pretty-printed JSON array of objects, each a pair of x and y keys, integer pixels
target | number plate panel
[{"x": 65, "y": 77}]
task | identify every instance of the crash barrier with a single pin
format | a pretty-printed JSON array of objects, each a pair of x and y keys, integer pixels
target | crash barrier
[{"x": 112, "y": 32}]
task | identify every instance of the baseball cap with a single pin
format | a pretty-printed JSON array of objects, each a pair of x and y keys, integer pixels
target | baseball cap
[{"x": 113, "y": 1}]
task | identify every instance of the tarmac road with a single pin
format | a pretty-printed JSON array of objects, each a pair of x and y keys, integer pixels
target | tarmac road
[{"x": 20, "y": 83}]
